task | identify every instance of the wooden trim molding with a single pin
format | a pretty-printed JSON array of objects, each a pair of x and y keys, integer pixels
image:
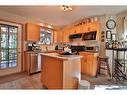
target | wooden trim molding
[{"x": 10, "y": 21}]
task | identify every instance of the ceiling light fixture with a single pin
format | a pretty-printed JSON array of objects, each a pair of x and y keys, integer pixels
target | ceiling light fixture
[{"x": 66, "y": 8}]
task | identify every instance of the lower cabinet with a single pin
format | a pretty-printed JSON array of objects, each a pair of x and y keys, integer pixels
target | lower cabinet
[
  {"x": 52, "y": 73},
  {"x": 89, "y": 63},
  {"x": 60, "y": 73}
]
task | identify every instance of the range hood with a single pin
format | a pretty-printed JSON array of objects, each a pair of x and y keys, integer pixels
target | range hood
[{"x": 75, "y": 36}]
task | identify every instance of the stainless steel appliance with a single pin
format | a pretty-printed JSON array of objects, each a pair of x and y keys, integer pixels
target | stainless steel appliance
[
  {"x": 84, "y": 48},
  {"x": 33, "y": 46},
  {"x": 92, "y": 48},
  {"x": 35, "y": 63},
  {"x": 89, "y": 36},
  {"x": 77, "y": 49},
  {"x": 29, "y": 45}
]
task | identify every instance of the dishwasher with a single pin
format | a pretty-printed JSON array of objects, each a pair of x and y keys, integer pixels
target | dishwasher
[{"x": 35, "y": 63}]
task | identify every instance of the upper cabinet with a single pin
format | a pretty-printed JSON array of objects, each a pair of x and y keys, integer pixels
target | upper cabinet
[
  {"x": 32, "y": 32},
  {"x": 76, "y": 29},
  {"x": 54, "y": 36},
  {"x": 65, "y": 34},
  {"x": 59, "y": 36},
  {"x": 90, "y": 27}
]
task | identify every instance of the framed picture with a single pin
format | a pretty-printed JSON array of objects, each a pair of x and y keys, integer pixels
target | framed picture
[
  {"x": 113, "y": 37},
  {"x": 108, "y": 34}
]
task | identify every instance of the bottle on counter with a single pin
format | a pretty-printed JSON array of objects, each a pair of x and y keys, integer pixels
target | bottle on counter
[
  {"x": 116, "y": 44},
  {"x": 113, "y": 44}
]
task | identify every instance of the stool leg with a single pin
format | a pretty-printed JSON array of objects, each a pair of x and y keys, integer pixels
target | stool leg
[
  {"x": 108, "y": 69},
  {"x": 98, "y": 67}
]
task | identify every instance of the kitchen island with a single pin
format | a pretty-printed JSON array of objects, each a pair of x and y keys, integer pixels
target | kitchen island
[{"x": 60, "y": 71}]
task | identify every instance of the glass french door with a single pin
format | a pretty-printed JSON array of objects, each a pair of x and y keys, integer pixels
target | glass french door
[{"x": 8, "y": 46}]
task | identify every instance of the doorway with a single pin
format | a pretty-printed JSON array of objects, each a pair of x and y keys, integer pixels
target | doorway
[{"x": 10, "y": 48}]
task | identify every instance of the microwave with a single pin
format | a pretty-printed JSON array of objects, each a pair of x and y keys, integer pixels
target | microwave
[{"x": 89, "y": 36}]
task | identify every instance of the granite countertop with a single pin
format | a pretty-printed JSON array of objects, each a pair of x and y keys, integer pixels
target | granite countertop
[
  {"x": 118, "y": 49},
  {"x": 42, "y": 51},
  {"x": 63, "y": 57},
  {"x": 88, "y": 52}
]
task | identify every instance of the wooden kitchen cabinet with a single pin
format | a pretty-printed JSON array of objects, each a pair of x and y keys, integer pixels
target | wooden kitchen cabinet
[
  {"x": 90, "y": 27},
  {"x": 89, "y": 63},
  {"x": 79, "y": 29},
  {"x": 84, "y": 63},
  {"x": 59, "y": 36},
  {"x": 66, "y": 35},
  {"x": 60, "y": 73},
  {"x": 52, "y": 73},
  {"x": 73, "y": 30},
  {"x": 76, "y": 29},
  {"x": 54, "y": 36},
  {"x": 32, "y": 32}
]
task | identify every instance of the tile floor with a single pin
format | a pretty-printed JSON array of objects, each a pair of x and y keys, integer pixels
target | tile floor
[
  {"x": 26, "y": 82},
  {"x": 22, "y": 81}
]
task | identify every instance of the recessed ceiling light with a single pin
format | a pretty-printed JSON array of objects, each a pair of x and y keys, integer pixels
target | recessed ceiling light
[
  {"x": 42, "y": 24},
  {"x": 49, "y": 26}
]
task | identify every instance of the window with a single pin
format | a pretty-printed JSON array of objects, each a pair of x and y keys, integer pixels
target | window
[
  {"x": 46, "y": 36},
  {"x": 8, "y": 46}
]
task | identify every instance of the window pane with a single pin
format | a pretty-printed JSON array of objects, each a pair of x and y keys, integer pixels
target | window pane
[{"x": 8, "y": 46}]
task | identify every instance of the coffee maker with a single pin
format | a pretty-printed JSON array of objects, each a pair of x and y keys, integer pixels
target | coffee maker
[{"x": 29, "y": 45}]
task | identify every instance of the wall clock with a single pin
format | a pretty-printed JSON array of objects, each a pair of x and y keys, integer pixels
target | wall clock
[{"x": 110, "y": 24}]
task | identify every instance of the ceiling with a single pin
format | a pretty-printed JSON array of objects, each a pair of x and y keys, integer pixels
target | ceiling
[{"x": 55, "y": 16}]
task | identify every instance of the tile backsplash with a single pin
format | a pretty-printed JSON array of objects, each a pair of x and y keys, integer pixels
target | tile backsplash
[
  {"x": 76, "y": 43},
  {"x": 86, "y": 43},
  {"x": 48, "y": 47}
]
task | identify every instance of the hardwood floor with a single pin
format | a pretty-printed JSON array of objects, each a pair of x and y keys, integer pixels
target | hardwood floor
[{"x": 26, "y": 82}]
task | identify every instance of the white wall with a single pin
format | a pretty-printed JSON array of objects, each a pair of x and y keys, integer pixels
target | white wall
[
  {"x": 15, "y": 18},
  {"x": 120, "y": 25}
]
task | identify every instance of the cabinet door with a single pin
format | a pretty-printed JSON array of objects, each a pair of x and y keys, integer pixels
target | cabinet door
[
  {"x": 54, "y": 36},
  {"x": 84, "y": 63},
  {"x": 52, "y": 72},
  {"x": 90, "y": 64},
  {"x": 94, "y": 64},
  {"x": 73, "y": 30},
  {"x": 66, "y": 35},
  {"x": 84, "y": 28},
  {"x": 32, "y": 32},
  {"x": 79, "y": 29},
  {"x": 92, "y": 27},
  {"x": 59, "y": 36}
]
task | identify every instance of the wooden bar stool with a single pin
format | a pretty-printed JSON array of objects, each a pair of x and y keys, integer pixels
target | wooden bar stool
[{"x": 103, "y": 61}]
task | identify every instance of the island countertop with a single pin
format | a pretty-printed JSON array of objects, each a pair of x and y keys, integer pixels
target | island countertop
[{"x": 63, "y": 57}]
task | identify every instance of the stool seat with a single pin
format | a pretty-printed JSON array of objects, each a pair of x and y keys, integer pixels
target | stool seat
[
  {"x": 84, "y": 84},
  {"x": 104, "y": 57}
]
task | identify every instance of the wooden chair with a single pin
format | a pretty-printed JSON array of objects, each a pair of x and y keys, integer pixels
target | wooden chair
[{"x": 103, "y": 61}]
